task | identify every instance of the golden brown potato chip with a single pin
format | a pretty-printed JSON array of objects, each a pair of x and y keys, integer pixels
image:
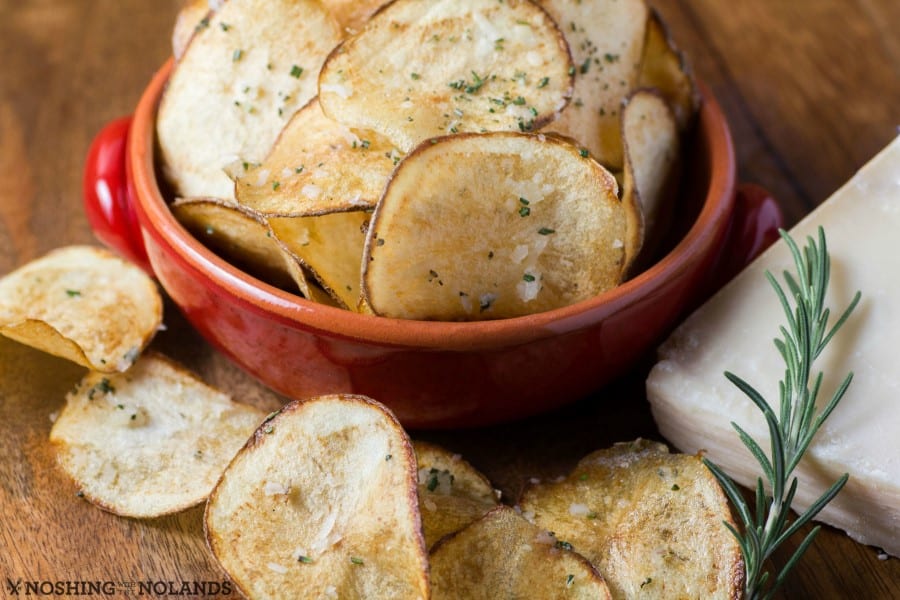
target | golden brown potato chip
[
  {"x": 151, "y": 441},
  {"x": 452, "y": 493},
  {"x": 238, "y": 234},
  {"x": 352, "y": 14},
  {"x": 606, "y": 38},
  {"x": 483, "y": 226},
  {"x": 424, "y": 68},
  {"x": 305, "y": 280},
  {"x": 330, "y": 246},
  {"x": 504, "y": 556},
  {"x": 321, "y": 503},
  {"x": 652, "y": 152},
  {"x": 663, "y": 67},
  {"x": 84, "y": 304},
  {"x": 243, "y": 237},
  {"x": 650, "y": 521},
  {"x": 318, "y": 166},
  {"x": 237, "y": 84}
]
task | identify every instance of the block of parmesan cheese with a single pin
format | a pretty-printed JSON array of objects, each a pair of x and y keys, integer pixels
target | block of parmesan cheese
[{"x": 694, "y": 405}]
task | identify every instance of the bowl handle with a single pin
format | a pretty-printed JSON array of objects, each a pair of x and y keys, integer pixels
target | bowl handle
[
  {"x": 107, "y": 199},
  {"x": 754, "y": 227}
]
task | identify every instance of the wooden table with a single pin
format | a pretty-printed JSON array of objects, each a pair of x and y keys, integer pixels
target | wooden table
[{"x": 811, "y": 89}]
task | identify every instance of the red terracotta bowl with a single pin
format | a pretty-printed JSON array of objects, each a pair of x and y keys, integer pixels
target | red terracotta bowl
[{"x": 431, "y": 374}]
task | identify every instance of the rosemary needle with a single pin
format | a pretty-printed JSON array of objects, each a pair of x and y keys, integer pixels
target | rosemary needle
[{"x": 792, "y": 428}]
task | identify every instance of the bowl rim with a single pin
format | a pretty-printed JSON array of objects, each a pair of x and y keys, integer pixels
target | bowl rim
[{"x": 297, "y": 312}]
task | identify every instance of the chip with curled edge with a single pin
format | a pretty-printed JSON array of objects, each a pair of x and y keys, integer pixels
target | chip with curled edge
[
  {"x": 665, "y": 68},
  {"x": 650, "y": 178},
  {"x": 318, "y": 166},
  {"x": 84, "y": 304},
  {"x": 243, "y": 236},
  {"x": 330, "y": 247}
]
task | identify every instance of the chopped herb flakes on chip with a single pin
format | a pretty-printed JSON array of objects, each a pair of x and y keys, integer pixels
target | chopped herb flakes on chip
[
  {"x": 84, "y": 304},
  {"x": 452, "y": 493},
  {"x": 233, "y": 90},
  {"x": 502, "y": 555},
  {"x": 347, "y": 169},
  {"x": 151, "y": 441},
  {"x": 462, "y": 242},
  {"x": 423, "y": 68},
  {"x": 606, "y": 39},
  {"x": 650, "y": 521},
  {"x": 312, "y": 509},
  {"x": 403, "y": 75}
]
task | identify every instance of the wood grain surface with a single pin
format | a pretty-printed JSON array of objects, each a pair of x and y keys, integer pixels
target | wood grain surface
[{"x": 811, "y": 89}]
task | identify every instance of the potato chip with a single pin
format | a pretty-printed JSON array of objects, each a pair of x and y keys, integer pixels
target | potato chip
[
  {"x": 318, "y": 166},
  {"x": 504, "y": 556},
  {"x": 484, "y": 226},
  {"x": 237, "y": 84},
  {"x": 664, "y": 67},
  {"x": 352, "y": 14},
  {"x": 238, "y": 235},
  {"x": 193, "y": 16},
  {"x": 606, "y": 38},
  {"x": 243, "y": 237},
  {"x": 652, "y": 153},
  {"x": 321, "y": 503},
  {"x": 452, "y": 493},
  {"x": 331, "y": 247},
  {"x": 424, "y": 68},
  {"x": 305, "y": 280},
  {"x": 84, "y": 304},
  {"x": 650, "y": 521},
  {"x": 149, "y": 442},
  {"x": 189, "y": 19}
]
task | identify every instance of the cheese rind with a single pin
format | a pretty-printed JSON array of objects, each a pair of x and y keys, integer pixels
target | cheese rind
[{"x": 694, "y": 404}]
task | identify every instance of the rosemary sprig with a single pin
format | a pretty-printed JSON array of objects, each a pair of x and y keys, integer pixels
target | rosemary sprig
[{"x": 791, "y": 430}]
